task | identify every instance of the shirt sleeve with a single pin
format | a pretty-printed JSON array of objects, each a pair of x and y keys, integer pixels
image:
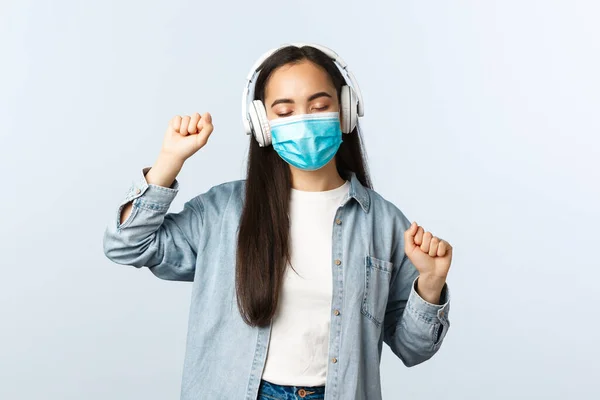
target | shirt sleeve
[
  {"x": 414, "y": 329},
  {"x": 165, "y": 243}
]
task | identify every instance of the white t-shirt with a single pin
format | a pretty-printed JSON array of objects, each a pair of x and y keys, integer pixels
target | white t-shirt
[{"x": 298, "y": 347}]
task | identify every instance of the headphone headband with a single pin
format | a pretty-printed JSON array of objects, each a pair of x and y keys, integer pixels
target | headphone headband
[{"x": 342, "y": 66}]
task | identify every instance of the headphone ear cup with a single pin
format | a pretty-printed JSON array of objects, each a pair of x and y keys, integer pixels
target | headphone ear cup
[
  {"x": 349, "y": 104},
  {"x": 260, "y": 123}
]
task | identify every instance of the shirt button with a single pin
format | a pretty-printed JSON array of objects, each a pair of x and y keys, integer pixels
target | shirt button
[
  {"x": 302, "y": 393},
  {"x": 336, "y": 312},
  {"x": 338, "y": 221},
  {"x": 338, "y": 262},
  {"x": 334, "y": 360},
  {"x": 138, "y": 191}
]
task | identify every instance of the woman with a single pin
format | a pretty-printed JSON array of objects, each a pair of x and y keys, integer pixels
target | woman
[{"x": 301, "y": 270}]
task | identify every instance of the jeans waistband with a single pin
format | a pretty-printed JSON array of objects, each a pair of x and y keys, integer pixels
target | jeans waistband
[{"x": 283, "y": 392}]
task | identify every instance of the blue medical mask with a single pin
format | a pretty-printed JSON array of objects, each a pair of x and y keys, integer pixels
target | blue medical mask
[{"x": 307, "y": 141}]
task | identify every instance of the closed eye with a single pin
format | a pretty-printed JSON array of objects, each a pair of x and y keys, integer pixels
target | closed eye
[{"x": 315, "y": 109}]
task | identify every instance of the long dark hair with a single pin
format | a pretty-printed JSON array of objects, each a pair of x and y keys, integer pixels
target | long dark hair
[{"x": 263, "y": 238}]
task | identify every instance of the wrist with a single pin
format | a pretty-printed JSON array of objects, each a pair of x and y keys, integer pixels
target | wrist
[
  {"x": 165, "y": 170},
  {"x": 430, "y": 288}
]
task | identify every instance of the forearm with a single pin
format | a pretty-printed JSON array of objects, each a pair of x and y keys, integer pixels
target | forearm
[
  {"x": 421, "y": 327},
  {"x": 127, "y": 237},
  {"x": 162, "y": 173}
]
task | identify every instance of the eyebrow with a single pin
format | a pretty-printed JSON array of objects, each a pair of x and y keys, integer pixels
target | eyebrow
[{"x": 311, "y": 98}]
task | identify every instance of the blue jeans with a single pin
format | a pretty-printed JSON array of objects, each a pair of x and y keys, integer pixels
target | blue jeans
[{"x": 271, "y": 391}]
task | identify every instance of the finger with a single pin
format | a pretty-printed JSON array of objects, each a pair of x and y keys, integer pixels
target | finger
[
  {"x": 409, "y": 238},
  {"x": 443, "y": 248},
  {"x": 205, "y": 122},
  {"x": 426, "y": 242},
  {"x": 433, "y": 246},
  {"x": 202, "y": 121},
  {"x": 449, "y": 251},
  {"x": 176, "y": 123},
  {"x": 185, "y": 122},
  {"x": 193, "y": 126},
  {"x": 204, "y": 134},
  {"x": 419, "y": 236},
  {"x": 205, "y": 129}
]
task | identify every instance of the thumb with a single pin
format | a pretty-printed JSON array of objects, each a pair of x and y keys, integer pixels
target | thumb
[
  {"x": 409, "y": 238},
  {"x": 205, "y": 128}
]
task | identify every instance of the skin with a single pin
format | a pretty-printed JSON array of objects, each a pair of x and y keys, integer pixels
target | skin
[
  {"x": 432, "y": 257},
  {"x": 299, "y": 88}
]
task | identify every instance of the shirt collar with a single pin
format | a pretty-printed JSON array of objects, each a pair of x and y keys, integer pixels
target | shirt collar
[{"x": 358, "y": 192}]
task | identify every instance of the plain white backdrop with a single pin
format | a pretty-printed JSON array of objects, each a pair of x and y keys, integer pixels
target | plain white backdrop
[{"x": 481, "y": 123}]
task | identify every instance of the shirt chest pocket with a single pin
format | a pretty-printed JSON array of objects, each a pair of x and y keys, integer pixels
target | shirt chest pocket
[{"x": 377, "y": 285}]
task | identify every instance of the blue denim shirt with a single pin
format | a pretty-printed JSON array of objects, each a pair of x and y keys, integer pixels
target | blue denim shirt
[{"x": 373, "y": 300}]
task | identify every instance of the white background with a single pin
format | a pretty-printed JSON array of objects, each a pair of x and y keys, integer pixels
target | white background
[{"x": 481, "y": 123}]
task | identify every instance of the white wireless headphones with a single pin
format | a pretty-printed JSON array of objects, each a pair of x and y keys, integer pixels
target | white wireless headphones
[{"x": 255, "y": 117}]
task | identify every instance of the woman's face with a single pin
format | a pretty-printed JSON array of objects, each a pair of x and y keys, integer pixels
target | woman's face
[{"x": 299, "y": 88}]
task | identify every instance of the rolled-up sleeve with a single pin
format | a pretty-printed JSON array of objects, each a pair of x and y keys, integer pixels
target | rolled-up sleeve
[
  {"x": 414, "y": 328},
  {"x": 151, "y": 237}
]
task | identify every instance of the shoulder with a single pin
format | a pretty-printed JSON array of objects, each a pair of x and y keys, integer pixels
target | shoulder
[
  {"x": 222, "y": 196},
  {"x": 384, "y": 208},
  {"x": 226, "y": 188}
]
